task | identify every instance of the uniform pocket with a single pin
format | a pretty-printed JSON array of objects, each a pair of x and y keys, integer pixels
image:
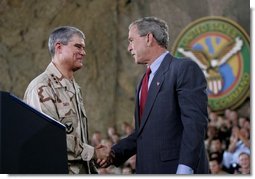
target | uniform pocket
[
  {"x": 66, "y": 112},
  {"x": 68, "y": 117}
]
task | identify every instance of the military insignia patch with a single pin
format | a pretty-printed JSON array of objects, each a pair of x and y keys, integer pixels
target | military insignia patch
[
  {"x": 221, "y": 48},
  {"x": 69, "y": 127}
]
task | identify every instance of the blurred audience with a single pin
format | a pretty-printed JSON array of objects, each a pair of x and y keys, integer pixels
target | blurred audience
[
  {"x": 227, "y": 142},
  {"x": 244, "y": 164},
  {"x": 215, "y": 166},
  {"x": 96, "y": 138}
]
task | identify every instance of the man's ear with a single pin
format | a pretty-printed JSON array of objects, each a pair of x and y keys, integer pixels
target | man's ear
[
  {"x": 58, "y": 47},
  {"x": 149, "y": 38}
]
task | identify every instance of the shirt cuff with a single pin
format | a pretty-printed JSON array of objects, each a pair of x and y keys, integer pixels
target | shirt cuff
[
  {"x": 184, "y": 169},
  {"x": 87, "y": 152}
]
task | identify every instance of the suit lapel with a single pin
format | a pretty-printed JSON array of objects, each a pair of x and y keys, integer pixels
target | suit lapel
[
  {"x": 154, "y": 89},
  {"x": 137, "y": 104}
]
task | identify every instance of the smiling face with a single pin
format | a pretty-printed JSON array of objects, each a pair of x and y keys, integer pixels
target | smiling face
[
  {"x": 72, "y": 54},
  {"x": 138, "y": 46},
  {"x": 214, "y": 167},
  {"x": 244, "y": 160}
]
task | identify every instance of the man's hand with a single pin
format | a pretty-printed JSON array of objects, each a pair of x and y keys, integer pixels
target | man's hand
[
  {"x": 103, "y": 156},
  {"x": 101, "y": 152}
]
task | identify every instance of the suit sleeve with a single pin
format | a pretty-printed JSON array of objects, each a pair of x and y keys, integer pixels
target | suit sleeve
[
  {"x": 125, "y": 149},
  {"x": 192, "y": 98}
]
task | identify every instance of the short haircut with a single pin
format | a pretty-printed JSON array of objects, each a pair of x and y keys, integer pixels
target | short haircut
[
  {"x": 63, "y": 35},
  {"x": 154, "y": 25}
]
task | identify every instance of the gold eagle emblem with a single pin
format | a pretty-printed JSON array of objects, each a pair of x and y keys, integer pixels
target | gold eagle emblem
[{"x": 210, "y": 63}]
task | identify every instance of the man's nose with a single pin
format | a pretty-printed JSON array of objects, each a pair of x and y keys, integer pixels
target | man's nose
[
  {"x": 129, "y": 48},
  {"x": 83, "y": 52}
]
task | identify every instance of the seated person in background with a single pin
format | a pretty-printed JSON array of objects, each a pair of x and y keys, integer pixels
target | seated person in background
[
  {"x": 239, "y": 143},
  {"x": 244, "y": 164},
  {"x": 215, "y": 166}
]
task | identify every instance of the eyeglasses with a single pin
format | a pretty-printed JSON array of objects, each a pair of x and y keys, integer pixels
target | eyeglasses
[{"x": 80, "y": 47}]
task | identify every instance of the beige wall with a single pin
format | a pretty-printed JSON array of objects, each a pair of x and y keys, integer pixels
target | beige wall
[{"x": 109, "y": 78}]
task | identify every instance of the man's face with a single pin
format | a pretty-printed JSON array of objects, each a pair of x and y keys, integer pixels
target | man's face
[
  {"x": 215, "y": 145},
  {"x": 137, "y": 46},
  {"x": 73, "y": 53},
  {"x": 244, "y": 160},
  {"x": 214, "y": 167}
]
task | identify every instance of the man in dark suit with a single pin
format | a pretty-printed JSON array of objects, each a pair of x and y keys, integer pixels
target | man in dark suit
[{"x": 171, "y": 123}]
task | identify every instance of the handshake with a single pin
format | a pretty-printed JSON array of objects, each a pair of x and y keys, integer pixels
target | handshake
[{"x": 103, "y": 156}]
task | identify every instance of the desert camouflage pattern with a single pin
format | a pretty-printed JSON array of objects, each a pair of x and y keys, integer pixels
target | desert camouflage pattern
[{"x": 61, "y": 99}]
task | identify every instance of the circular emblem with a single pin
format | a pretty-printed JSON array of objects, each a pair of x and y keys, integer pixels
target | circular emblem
[{"x": 221, "y": 48}]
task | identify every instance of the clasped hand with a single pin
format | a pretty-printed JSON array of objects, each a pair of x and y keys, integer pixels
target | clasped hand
[{"x": 104, "y": 156}]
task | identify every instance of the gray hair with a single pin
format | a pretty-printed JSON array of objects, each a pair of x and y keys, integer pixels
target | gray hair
[
  {"x": 63, "y": 35},
  {"x": 154, "y": 25}
]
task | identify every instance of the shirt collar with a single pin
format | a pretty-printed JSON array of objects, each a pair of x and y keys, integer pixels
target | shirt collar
[
  {"x": 58, "y": 80},
  {"x": 155, "y": 65}
]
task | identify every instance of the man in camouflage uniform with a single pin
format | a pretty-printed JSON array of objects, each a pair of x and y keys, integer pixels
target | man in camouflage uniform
[{"x": 55, "y": 93}]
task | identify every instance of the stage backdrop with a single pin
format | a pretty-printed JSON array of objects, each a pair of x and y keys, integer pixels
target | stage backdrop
[{"x": 110, "y": 76}]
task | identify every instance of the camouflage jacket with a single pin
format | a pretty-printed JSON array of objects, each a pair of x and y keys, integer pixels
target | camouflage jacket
[{"x": 61, "y": 99}]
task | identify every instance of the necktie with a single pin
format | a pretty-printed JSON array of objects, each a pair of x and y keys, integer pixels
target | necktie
[{"x": 144, "y": 91}]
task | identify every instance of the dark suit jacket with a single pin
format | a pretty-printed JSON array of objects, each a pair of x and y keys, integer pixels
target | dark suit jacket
[{"x": 174, "y": 121}]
